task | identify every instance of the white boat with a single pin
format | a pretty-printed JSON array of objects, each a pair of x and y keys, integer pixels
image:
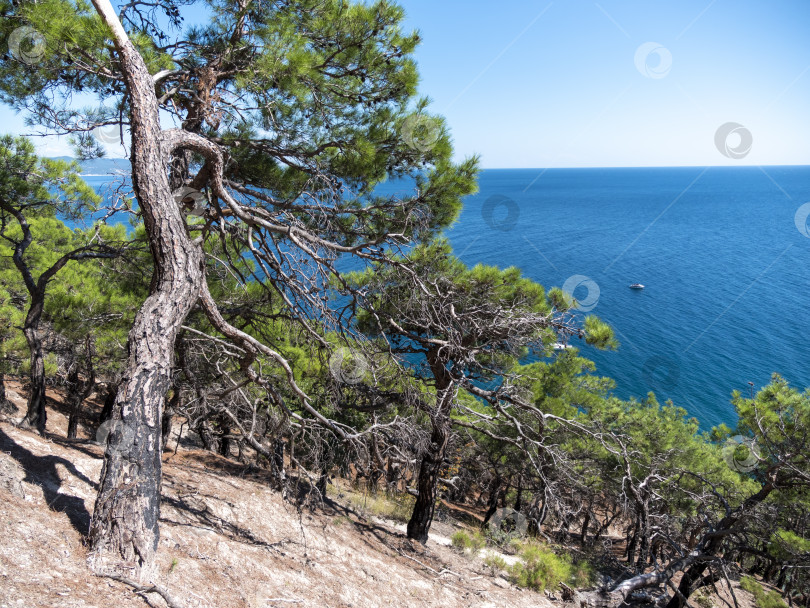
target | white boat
[{"x": 636, "y": 286}]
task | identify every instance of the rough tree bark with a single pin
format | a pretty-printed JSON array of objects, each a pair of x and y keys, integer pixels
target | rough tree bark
[
  {"x": 277, "y": 471},
  {"x": 224, "y": 436},
  {"x": 6, "y": 407},
  {"x": 519, "y": 498},
  {"x": 124, "y": 528},
  {"x": 79, "y": 390},
  {"x": 166, "y": 419},
  {"x": 496, "y": 493},
  {"x": 429, "y": 469},
  {"x": 36, "y": 415},
  {"x": 431, "y": 465},
  {"x": 111, "y": 390},
  {"x": 586, "y": 520}
]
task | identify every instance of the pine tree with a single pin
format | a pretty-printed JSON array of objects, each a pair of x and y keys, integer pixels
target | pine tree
[
  {"x": 466, "y": 329},
  {"x": 32, "y": 192},
  {"x": 290, "y": 114}
]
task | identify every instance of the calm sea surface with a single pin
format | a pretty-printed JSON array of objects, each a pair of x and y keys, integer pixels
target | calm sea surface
[
  {"x": 726, "y": 269},
  {"x": 723, "y": 256}
]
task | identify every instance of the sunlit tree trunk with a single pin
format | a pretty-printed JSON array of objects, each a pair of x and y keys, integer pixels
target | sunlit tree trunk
[{"x": 124, "y": 527}]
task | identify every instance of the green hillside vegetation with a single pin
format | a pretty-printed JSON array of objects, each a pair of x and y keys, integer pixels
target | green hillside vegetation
[{"x": 223, "y": 316}]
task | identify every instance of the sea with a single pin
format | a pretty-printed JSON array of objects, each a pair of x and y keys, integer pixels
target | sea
[{"x": 723, "y": 254}]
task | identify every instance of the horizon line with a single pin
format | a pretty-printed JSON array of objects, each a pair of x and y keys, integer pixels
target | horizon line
[
  {"x": 650, "y": 167},
  {"x": 561, "y": 167}
]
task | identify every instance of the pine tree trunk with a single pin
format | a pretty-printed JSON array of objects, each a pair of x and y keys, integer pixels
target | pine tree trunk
[
  {"x": 124, "y": 528},
  {"x": 492, "y": 504},
  {"x": 166, "y": 420},
  {"x": 277, "y": 464},
  {"x": 377, "y": 464},
  {"x": 6, "y": 407},
  {"x": 631, "y": 543},
  {"x": 207, "y": 439},
  {"x": 609, "y": 519},
  {"x": 36, "y": 415},
  {"x": 81, "y": 389},
  {"x": 644, "y": 539},
  {"x": 74, "y": 401},
  {"x": 224, "y": 446},
  {"x": 519, "y": 499},
  {"x": 432, "y": 461},
  {"x": 320, "y": 485},
  {"x": 429, "y": 469},
  {"x": 583, "y": 535},
  {"x": 109, "y": 401}
]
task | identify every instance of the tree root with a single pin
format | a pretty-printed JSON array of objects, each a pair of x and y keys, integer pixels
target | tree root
[{"x": 171, "y": 602}]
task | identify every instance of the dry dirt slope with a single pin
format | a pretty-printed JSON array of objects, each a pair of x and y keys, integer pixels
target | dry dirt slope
[{"x": 226, "y": 541}]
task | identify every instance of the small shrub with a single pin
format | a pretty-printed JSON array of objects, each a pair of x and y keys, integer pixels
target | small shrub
[
  {"x": 703, "y": 598},
  {"x": 460, "y": 539},
  {"x": 540, "y": 568},
  {"x": 495, "y": 563},
  {"x": 750, "y": 585},
  {"x": 478, "y": 541},
  {"x": 583, "y": 575},
  {"x": 764, "y": 599},
  {"x": 468, "y": 542}
]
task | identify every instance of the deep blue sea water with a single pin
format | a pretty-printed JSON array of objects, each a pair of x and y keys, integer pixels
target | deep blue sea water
[{"x": 726, "y": 269}]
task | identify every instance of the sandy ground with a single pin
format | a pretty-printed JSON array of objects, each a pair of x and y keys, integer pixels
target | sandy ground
[{"x": 227, "y": 540}]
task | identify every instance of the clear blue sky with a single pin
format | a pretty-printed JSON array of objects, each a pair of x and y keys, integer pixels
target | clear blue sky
[
  {"x": 554, "y": 83},
  {"x": 567, "y": 83}
]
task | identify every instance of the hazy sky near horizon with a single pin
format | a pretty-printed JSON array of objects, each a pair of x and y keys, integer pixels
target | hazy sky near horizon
[{"x": 573, "y": 83}]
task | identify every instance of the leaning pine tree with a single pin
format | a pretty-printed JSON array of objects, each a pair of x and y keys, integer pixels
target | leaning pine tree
[
  {"x": 288, "y": 114},
  {"x": 465, "y": 329}
]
